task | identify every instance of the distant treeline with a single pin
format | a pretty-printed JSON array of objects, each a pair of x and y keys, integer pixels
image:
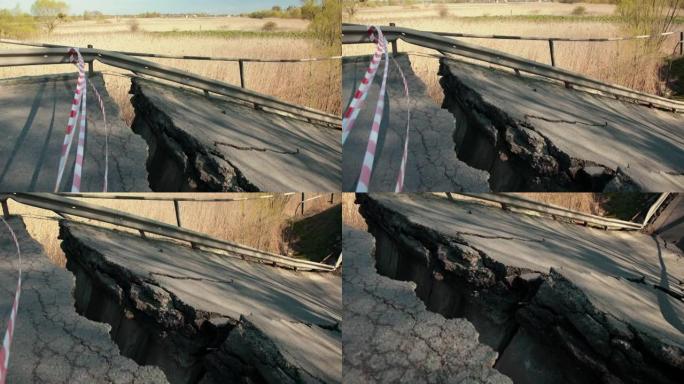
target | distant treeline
[{"x": 308, "y": 10}]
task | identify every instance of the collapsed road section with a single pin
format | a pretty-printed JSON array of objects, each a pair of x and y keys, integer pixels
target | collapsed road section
[
  {"x": 35, "y": 112},
  {"x": 389, "y": 336},
  {"x": 559, "y": 302},
  {"x": 202, "y": 143},
  {"x": 204, "y": 317},
  {"x": 432, "y": 164},
  {"x": 534, "y": 134},
  {"x": 53, "y": 344}
]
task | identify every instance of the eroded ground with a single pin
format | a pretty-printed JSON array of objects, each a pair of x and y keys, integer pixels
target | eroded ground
[
  {"x": 559, "y": 302},
  {"x": 532, "y": 134}
]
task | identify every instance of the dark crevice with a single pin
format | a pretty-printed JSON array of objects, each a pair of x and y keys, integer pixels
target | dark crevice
[
  {"x": 544, "y": 328},
  {"x": 518, "y": 157}
]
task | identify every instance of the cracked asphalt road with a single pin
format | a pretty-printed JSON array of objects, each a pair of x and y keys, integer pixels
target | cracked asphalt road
[
  {"x": 646, "y": 144},
  {"x": 390, "y": 337},
  {"x": 34, "y": 115},
  {"x": 272, "y": 152},
  {"x": 52, "y": 343},
  {"x": 432, "y": 164}
]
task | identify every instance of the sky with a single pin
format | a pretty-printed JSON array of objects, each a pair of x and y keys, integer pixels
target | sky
[{"x": 162, "y": 6}]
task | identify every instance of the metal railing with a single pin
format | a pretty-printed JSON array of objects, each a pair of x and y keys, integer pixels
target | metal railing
[
  {"x": 59, "y": 55},
  {"x": 240, "y": 60},
  {"x": 358, "y": 34},
  {"x": 66, "y": 206},
  {"x": 508, "y": 200}
]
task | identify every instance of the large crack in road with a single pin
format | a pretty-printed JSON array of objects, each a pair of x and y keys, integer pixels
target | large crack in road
[{"x": 566, "y": 309}]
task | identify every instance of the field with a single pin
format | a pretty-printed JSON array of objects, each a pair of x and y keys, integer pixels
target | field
[
  {"x": 311, "y": 84},
  {"x": 256, "y": 223},
  {"x": 627, "y": 63}
]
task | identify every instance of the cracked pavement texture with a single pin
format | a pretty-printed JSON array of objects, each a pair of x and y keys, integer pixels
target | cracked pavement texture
[
  {"x": 34, "y": 116},
  {"x": 432, "y": 164},
  {"x": 646, "y": 144},
  {"x": 390, "y": 337},
  {"x": 258, "y": 144},
  {"x": 211, "y": 282},
  {"x": 52, "y": 343},
  {"x": 602, "y": 265}
]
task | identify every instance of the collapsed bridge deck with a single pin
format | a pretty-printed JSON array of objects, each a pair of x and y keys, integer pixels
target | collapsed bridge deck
[{"x": 558, "y": 301}]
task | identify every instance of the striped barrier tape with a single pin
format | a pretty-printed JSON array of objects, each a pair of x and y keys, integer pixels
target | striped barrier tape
[
  {"x": 369, "y": 157},
  {"x": 104, "y": 119},
  {"x": 80, "y": 150},
  {"x": 9, "y": 333},
  {"x": 76, "y": 103},
  {"x": 402, "y": 169},
  {"x": 361, "y": 93}
]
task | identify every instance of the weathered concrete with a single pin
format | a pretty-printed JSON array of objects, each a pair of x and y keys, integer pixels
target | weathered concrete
[
  {"x": 52, "y": 343},
  {"x": 390, "y": 337},
  {"x": 178, "y": 308},
  {"x": 532, "y": 134},
  {"x": 200, "y": 143},
  {"x": 560, "y": 302},
  {"x": 33, "y": 117},
  {"x": 432, "y": 164}
]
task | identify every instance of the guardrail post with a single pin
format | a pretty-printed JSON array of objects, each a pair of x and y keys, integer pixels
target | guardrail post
[
  {"x": 332, "y": 198},
  {"x": 553, "y": 54},
  {"x": 90, "y": 64},
  {"x": 394, "y": 43},
  {"x": 681, "y": 43},
  {"x": 242, "y": 73},
  {"x": 176, "y": 208},
  {"x": 5, "y": 208},
  {"x": 302, "y": 203}
]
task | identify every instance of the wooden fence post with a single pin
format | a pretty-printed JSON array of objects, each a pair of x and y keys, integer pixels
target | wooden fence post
[
  {"x": 302, "y": 203},
  {"x": 553, "y": 54},
  {"x": 90, "y": 64},
  {"x": 5, "y": 208},
  {"x": 394, "y": 43},
  {"x": 242, "y": 73},
  {"x": 176, "y": 208}
]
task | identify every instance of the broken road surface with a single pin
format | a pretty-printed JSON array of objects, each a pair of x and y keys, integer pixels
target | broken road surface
[
  {"x": 432, "y": 164},
  {"x": 390, "y": 337},
  {"x": 214, "y": 144},
  {"x": 558, "y": 301},
  {"x": 535, "y": 134},
  {"x": 205, "y": 317},
  {"x": 34, "y": 114},
  {"x": 52, "y": 343}
]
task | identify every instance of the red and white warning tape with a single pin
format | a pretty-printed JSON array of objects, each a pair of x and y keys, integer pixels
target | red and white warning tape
[
  {"x": 9, "y": 333},
  {"x": 369, "y": 157},
  {"x": 361, "y": 93},
  {"x": 402, "y": 170},
  {"x": 80, "y": 151},
  {"x": 73, "y": 115},
  {"x": 357, "y": 105},
  {"x": 104, "y": 118}
]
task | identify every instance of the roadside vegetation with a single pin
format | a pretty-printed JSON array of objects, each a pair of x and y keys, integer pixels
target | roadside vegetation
[{"x": 640, "y": 64}]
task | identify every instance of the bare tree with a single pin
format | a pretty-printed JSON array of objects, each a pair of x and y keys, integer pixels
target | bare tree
[{"x": 50, "y": 12}]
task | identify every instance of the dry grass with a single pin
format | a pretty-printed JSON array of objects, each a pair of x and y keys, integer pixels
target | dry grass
[
  {"x": 255, "y": 223},
  {"x": 350, "y": 212},
  {"x": 626, "y": 63},
  {"x": 398, "y": 12},
  {"x": 312, "y": 84},
  {"x": 166, "y": 24},
  {"x": 581, "y": 202}
]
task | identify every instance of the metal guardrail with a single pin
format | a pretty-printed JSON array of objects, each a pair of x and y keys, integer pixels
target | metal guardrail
[
  {"x": 358, "y": 34},
  {"x": 509, "y": 200},
  {"x": 45, "y": 56},
  {"x": 62, "y": 205}
]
